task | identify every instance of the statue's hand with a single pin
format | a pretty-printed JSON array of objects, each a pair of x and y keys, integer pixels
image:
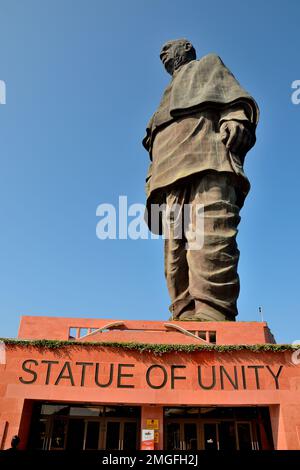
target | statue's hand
[{"x": 237, "y": 137}]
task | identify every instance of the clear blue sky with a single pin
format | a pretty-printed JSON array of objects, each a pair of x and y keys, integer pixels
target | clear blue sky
[{"x": 82, "y": 79}]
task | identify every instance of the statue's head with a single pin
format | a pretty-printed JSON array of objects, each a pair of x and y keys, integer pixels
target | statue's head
[{"x": 176, "y": 53}]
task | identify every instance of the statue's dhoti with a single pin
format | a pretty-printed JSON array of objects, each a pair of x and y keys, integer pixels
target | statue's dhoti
[{"x": 203, "y": 283}]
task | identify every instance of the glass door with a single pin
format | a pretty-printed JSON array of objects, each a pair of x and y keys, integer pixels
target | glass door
[
  {"x": 173, "y": 436},
  {"x": 112, "y": 437},
  {"x": 61, "y": 426},
  {"x": 40, "y": 438},
  {"x": 129, "y": 435},
  {"x": 190, "y": 436},
  {"x": 91, "y": 435},
  {"x": 181, "y": 435},
  {"x": 210, "y": 434},
  {"x": 58, "y": 433},
  {"x": 121, "y": 434},
  {"x": 75, "y": 437},
  {"x": 227, "y": 435},
  {"x": 244, "y": 435}
]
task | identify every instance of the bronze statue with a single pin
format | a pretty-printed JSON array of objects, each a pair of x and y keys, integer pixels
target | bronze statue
[{"x": 197, "y": 141}]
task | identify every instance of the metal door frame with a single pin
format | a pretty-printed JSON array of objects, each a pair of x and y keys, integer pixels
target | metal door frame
[
  {"x": 122, "y": 422},
  {"x": 182, "y": 422}
]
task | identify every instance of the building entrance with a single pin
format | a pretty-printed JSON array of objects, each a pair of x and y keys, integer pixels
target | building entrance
[
  {"x": 78, "y": 427},
  {"x": 217, "y": 428}
]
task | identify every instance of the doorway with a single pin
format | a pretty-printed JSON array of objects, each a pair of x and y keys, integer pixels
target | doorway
[
  {"x": 121, "y": 435},
  {"x": 181, "y": 435},
  {"x": 79, "y": 427},
  {"x": 213, "y": 428}
]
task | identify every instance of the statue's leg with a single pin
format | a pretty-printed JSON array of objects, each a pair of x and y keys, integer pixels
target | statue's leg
[
  {"x": 213, "y": 277},
  {"x": 176, "y": 267}
]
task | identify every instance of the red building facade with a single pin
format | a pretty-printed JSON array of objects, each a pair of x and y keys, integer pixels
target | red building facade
[{"x": 69, "y": 383}]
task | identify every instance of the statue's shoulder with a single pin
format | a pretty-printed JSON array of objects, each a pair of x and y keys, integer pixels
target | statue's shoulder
[
  {"x": 206, "y": 63},
  {"x": 212, "y": 59}
]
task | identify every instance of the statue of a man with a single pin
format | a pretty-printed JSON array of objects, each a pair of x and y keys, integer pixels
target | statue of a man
[{"x": 197, "y": 141}]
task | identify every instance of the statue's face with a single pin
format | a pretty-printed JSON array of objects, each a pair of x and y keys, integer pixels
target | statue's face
[{"x": 176, "y": 53}]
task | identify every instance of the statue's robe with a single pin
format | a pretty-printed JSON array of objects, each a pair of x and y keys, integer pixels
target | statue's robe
[{"x": 183, "y": 137}]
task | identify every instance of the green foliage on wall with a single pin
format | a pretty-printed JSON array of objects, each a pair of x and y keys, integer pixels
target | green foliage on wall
[{"x": 157, "y": 349}]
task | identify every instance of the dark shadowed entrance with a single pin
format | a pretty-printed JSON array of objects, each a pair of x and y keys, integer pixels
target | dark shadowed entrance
[
  {"x": 217, "y": 428},
  {"x": 84, "y": 427}
]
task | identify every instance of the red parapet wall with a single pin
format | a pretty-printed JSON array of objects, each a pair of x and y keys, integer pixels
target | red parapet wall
[{"x": 33, "y": 327}]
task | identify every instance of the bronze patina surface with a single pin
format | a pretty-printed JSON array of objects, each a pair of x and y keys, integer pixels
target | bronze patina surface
[{"x": 197, "y": 142}]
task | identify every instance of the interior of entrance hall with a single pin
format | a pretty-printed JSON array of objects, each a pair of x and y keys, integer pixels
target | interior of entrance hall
[{"x": 63, "y": 426}]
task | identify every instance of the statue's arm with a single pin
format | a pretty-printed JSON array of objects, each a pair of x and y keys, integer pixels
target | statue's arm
[
  {"x": 148, "y": 137},
  {"x": 236, "y": 129},
  {"x": 237, "y": 112}
]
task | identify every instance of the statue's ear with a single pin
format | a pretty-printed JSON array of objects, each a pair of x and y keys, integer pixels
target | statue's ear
[{"x": 188, "y": 46}]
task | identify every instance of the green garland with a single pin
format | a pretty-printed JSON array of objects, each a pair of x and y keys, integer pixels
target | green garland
[{"x": 157, "y": 349}]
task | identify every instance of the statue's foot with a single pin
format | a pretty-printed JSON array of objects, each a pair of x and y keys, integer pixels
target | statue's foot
[
  {"x": 205, "y": 312},
  {"x": 187, "y": 315},
  {"x": 181, "y": 308},
  {"x": 210, "y": 317},
  {"x": 198, "y": 310}
]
